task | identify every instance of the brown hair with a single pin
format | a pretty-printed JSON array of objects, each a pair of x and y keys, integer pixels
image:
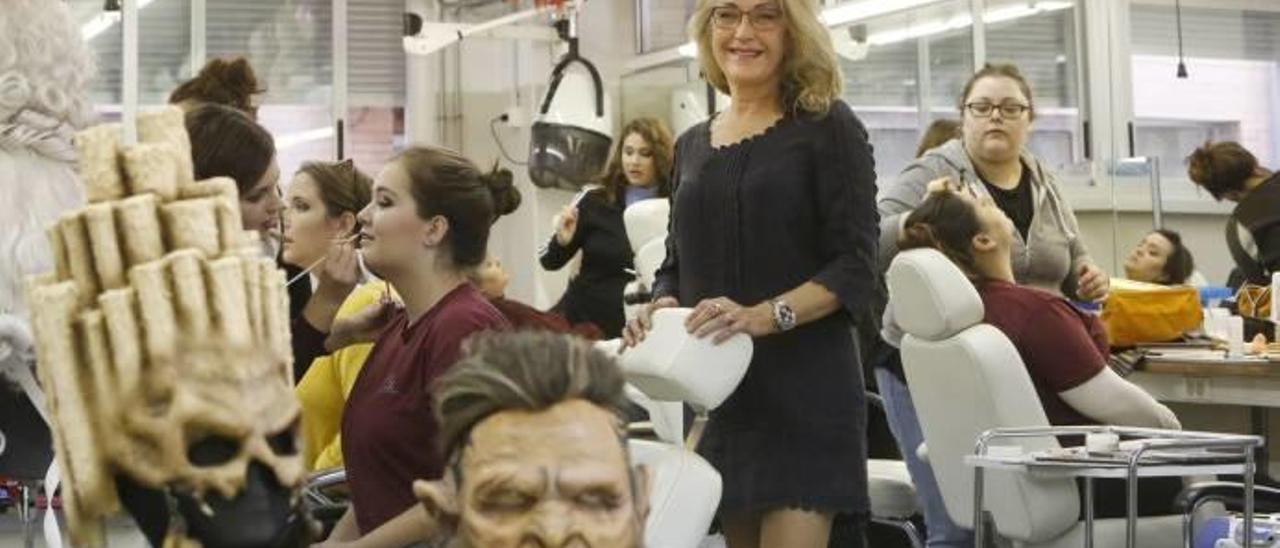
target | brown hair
[
  {"x": 227, "y": 143},
  {"x": 525, "y": 371},
  {"x": 343, "y": 187},
  {"x": 811, "y": 76},
  {"x": 444, "y": 183},
  {"x": 1179, "y": 265},
  {"x": 229, "y": 82},
  {"x": 658, "y": 137},
  {"x": 1002, "y": 70},
  {"x": 1222, "y": 167},
  {"x": 939, "y": 132},
  {"x": 945, "y": 222}
]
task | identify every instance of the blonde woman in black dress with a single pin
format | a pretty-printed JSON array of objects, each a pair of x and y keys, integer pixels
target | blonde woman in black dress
[{"x": 773, "y": 234}]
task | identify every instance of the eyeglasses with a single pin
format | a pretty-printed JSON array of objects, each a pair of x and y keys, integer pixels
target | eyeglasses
[
  {"x": 762, "y": 18},
  {"x": 1007, "y": 110}
]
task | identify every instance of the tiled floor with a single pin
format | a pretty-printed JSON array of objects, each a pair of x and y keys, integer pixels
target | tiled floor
[{"x": 120, "y": 533}]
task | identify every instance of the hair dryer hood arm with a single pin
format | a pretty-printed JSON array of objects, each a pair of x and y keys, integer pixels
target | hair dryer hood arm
[{"x": 572, "y": 136}]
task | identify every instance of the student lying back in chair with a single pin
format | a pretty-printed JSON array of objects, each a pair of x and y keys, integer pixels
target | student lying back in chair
[{"x": 1064, "y": 349}]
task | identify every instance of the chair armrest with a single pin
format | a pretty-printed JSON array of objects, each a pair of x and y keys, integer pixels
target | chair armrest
[
  {"x": 320, "y": 482},
  {"x": 1231, "y": 494}
]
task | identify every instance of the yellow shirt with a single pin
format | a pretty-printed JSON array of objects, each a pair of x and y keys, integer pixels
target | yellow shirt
[{"x": 323, "y": 390}]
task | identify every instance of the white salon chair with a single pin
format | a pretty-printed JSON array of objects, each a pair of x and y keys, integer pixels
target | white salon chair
[
  {"x": 966, "y": 378},
  {"x": 646, "y": 224},
  {"x": 668, "y": 369}
]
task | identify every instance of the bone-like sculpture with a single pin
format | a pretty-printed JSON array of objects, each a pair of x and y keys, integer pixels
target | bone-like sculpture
[{"x": 160, "y": 327}]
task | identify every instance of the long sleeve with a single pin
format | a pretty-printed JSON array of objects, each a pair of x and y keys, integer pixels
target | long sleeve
[
  {"x": 308, "y": 344},
  {"x": 666, "y": 280},
  {"x": 898, "y": 200},
  {"x": 554, "y": 256},
  {"x": 846, "y": 194}
]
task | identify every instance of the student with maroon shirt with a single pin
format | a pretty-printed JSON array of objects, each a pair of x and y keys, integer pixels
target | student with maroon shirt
[
  {"x": 427, "y": 227},
  {"x": 1063, "y": 349}
]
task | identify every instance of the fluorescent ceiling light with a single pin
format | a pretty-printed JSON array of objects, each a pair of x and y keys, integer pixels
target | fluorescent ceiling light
[
  {"x": 291, "y": 140},
  {"x": 940, "y": 26},
  {"x": 867, "y": 9},
  {"x": 103, "y": 21}
]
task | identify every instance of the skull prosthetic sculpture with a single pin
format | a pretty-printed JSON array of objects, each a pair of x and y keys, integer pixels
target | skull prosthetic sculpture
[{"x": 163, "y": 344}]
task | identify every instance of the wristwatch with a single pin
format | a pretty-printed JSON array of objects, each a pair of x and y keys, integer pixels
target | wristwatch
[{"x": 784, "y": 318}]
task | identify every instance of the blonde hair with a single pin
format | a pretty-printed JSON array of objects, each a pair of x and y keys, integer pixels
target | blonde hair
[{"x": 811, "y": 79}]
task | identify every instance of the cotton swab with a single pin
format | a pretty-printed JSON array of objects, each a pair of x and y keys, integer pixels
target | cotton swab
[{"x": 318, "y": 262}]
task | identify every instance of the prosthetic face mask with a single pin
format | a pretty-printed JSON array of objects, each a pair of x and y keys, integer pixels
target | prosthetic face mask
[{"x": 558, "y": 477}]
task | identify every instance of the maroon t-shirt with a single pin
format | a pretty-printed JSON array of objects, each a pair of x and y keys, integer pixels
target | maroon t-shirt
[
  {"x": 389, "y": 431},
  {"x": 1061, "y": 346}
]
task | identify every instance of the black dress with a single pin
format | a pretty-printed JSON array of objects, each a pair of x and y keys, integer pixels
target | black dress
[
  {"x": 750, "y": 222},
  {"x": 595, "y": 294}
]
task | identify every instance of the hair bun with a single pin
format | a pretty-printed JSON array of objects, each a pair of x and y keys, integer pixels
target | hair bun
[
  {"x": 1200, "y": 164},
  {"x": 502, "y": 185}
]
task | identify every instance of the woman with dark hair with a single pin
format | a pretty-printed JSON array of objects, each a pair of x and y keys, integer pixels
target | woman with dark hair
[
  {"x": 639, "y": 169},
  {"x": 321, "y": 205},
  {"x": 1063, "y": 348},
  {"x": 426, "y": 229},
  {"x": 229, "y": 82},
  {"x": 227, "y": 143},
  {"x": 990, "y": 158},
  {"x": 1160, "y": 258},
  {"x": 1230, "y": 172}
]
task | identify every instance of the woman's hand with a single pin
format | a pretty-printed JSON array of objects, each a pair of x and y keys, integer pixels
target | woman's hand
[
  {"x": 1092, "y": 283},
  {"x": 566, "y": 225},
  {"x": 724, "y": 319},
  {"x": 940, "y": 185},
  {"x": 634, "y": 332},
  {"x": 363, "y": 326},
  {"x": 341, "y": 269}
]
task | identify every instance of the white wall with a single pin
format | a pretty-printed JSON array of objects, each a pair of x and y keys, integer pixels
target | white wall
[{"x": 489, "y": 69}]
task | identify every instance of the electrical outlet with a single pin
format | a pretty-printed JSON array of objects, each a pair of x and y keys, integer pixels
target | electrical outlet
[{"x": 517, "y": 117}]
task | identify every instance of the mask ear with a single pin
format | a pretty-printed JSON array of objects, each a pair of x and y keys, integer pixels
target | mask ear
[{"x": 440, "y": 500}]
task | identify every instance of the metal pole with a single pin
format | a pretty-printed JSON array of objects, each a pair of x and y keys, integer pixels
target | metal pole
[
  {"x": 199, "y": 36},
  {"x": 1157, "y": 203},
  {"x": 978, "y": 9},
  {"x": 340, "y": 76},
  {"x": 129, "y": 72},
  {"x": 1088, "y": 512}
]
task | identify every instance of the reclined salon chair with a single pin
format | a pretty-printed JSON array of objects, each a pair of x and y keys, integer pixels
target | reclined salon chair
[{"x": 967, "y": 378}]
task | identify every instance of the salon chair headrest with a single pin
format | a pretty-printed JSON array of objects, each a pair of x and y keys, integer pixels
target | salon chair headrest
[
  {"x": 646, "y": 220},
  {"x": 671, "y": 365},
  {"x": 931, "y": 298}
]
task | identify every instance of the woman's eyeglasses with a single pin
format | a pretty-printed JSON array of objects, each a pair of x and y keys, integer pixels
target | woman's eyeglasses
[
  {"x": 762, "y": 18},
  {"x": 1007, "y": 110}
]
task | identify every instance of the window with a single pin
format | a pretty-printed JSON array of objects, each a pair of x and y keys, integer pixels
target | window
[
  {"x": 376, "y": 81},
  {"x": 885, "y": 59},
  {"x": 1232, "y": 89},
  {"x": 290, "y": 45},
  {"x": 1040, "y": 38}
]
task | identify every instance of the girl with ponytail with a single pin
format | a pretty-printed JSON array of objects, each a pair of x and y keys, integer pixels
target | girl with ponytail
[{"x": 426, "y": 229}]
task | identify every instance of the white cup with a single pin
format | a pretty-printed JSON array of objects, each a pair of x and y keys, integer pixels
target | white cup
[
  {"x": 1102, "y": 442},
  {"x": 1235, "y": 336}
]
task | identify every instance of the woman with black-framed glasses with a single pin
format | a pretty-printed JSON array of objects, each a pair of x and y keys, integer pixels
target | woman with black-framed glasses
[{"x": 989, "y": 158}]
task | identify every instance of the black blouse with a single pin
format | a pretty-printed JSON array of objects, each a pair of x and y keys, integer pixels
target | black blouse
[
  {"x": 595, "y": 294},
  {"x": 751, "y": 221}
]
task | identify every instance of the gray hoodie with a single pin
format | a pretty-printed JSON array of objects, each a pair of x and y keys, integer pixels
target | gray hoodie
[{"x": 1048, "y": 258}]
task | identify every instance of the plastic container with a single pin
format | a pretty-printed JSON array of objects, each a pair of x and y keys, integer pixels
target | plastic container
[{"x": 1211, "y": 296}]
